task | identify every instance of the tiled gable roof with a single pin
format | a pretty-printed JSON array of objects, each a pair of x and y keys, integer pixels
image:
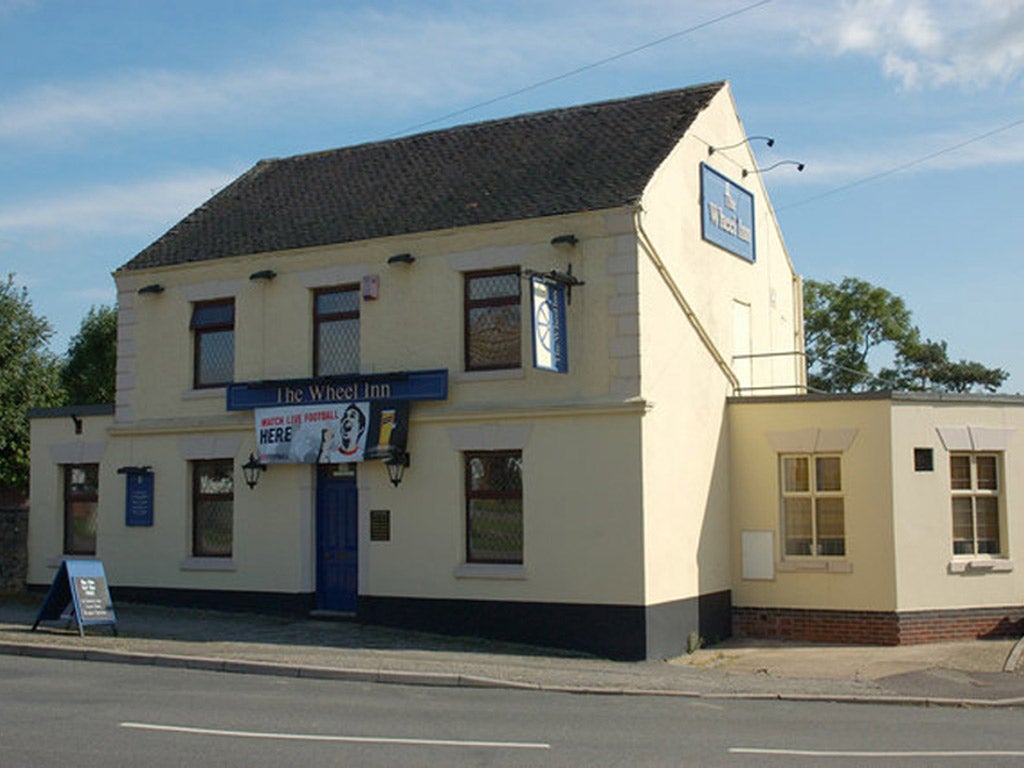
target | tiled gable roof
[{"x": 589, "y": 157}]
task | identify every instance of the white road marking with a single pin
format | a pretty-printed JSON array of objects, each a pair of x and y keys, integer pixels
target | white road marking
[
  {"x": 346, "y": 739},
  {"x": 878, "y": 754}
]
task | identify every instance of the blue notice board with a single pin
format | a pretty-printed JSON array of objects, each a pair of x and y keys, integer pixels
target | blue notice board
[
  {"x": 138, "y": 498},
  {"x": 81, "y": 584}
]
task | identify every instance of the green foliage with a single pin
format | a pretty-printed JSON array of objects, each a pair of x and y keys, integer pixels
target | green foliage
[
  {"x": 845, "y": 323},
  {"x": 89, "y": 371},
  {"x": 29, "y": 378}
]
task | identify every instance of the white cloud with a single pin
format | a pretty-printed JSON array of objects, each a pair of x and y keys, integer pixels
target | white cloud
[
  {"x": 109, "y": 208},
  {"x": 929, "y": 43}
]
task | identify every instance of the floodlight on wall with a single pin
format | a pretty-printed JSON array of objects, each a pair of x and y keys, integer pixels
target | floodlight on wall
[
  {"x": 766, "y": 139},
  {"x": 152, "y": 288},
  {"x": 252, "y": 470},
  {"x": 263, "y": 274},
  {"x": 799, "y": 167},
  {"x": 402, "y": 258},
  {"x": 396, "y": 464},
  {"x": 569, "y": 240}
]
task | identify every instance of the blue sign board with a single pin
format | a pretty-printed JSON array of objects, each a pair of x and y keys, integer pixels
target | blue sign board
[
  {"x": 82, "y": 584},
  {"x": 405, "y": 385},
  {"x": 138, "y": 498},
  {"x": 550, "y": 348},
  {"x": 727, "y": 214}
]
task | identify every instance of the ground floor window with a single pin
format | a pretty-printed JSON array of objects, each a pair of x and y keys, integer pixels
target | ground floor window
[
  {"x": 494, "y": 507},
  {"x": 81, "y": 505},
  {"x": 813, "y": 517},
  {"x": 974, "y": 485},
  {"x": 213, "y": 500}
]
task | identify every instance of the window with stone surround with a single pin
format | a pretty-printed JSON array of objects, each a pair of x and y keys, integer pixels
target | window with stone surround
[{"x": 492, "y": 318}]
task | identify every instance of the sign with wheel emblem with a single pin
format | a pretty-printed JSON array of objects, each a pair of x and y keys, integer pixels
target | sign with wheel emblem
[{"x": 550, "y": 351}]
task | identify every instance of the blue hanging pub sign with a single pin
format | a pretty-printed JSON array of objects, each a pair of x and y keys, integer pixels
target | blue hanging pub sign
[
  {"x": 373, "y": 388},
  {"x": 727, "y": 214},
  {"x": 547, "y": 302}
]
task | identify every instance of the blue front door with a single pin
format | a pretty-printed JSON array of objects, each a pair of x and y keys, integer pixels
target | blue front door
[{"x": 337, "y": 538}]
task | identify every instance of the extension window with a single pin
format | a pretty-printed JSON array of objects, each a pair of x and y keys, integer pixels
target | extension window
[
  {"x": 813, "y": 514},
  {"x": 974, "y": 480}
]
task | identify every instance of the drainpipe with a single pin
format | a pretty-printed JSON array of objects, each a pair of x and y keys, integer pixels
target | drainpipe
[{"x": 677, "y": 294}]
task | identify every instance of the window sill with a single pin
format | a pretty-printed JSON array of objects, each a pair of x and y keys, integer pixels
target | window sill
[
  {"x": 502, "y": 374},
  {"x": 815, "y": 565},
  {"x": 507, "y": 572},
  {"x": 981, "y": 565},
  {"x": 206, "y": 393},
  {"x": 207, "y": 564}
]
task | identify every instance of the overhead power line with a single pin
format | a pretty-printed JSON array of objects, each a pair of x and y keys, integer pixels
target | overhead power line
[
  {"x": 904, "y": 166},
  {"x": 584, "y": 68}
]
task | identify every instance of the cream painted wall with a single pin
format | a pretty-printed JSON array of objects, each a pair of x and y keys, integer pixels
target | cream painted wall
[
  {"x": 865, "y": 579},
  {"x": 685, "y": 450},
  {"x": 582, "y": 496},
  {"x": 929, "y": 575},
  {"x": 416, "y": 323},
  {"x": 55, "y": 443},
  {"x": 581, "y": 499}
]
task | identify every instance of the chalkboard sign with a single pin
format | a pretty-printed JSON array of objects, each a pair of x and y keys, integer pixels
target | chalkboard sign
[
  {"x": 138, "y": 498},
  {"x": 82, "y": 584}
]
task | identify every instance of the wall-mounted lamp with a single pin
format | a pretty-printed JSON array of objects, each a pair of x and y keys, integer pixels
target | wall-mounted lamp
[
  {"x": 799, "y": 167},
  {"x": 767, "y": 139},
  {"x": 252, "y": 469},
  {"x": 78, "y": 423},
  {"x": 564, "y": 240},
  {"x": 402, "y": 258},
  {"x": 152, "y": 288},
  {"x": 396, "y": 464},
  {"x": 263, "y": 274}
]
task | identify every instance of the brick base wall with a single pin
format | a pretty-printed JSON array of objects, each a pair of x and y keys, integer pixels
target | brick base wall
[{"x": 877, "y": 627}]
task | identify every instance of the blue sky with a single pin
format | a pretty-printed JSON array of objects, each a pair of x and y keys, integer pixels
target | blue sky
[{"x": 118, "y": 118}]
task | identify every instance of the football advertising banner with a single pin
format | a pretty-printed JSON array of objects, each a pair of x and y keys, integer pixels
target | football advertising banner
[
  {"x": 550, "y": 352},
  {"x": 337, "y": 433}
]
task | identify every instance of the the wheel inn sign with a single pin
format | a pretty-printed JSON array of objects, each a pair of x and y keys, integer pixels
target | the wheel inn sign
[
  {"x": 727, "y": 214},
  {"x": 404, "y": 385}
]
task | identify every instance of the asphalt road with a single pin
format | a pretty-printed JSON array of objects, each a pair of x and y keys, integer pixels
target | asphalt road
[{"x": 60, "y": 713}]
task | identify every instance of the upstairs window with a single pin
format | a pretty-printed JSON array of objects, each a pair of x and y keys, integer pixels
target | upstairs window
[
  {"x": 213, "y": 329},
  {"x": 813, "y": 517},
  {"x": 81, "y": 504},
  {"x": 493, "y": 320},
  {"x": 336, "y": 331},
  {"x": 974, "y": 485}
]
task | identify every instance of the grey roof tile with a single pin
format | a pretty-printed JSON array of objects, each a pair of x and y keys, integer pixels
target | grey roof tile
[{"x": 582, "y": 158}]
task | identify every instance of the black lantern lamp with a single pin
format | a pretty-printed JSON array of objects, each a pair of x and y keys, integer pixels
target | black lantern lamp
[
  {"x": 396, "y": 463},
  {"x": 252, "y": 469}
]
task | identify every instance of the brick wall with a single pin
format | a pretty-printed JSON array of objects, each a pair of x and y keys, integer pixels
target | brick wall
[
  {"x": 877, "y": 627},
  {"x": 13, "y": 540}
]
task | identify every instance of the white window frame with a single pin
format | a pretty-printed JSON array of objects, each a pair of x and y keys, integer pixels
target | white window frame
[
  {"x": 814, "y": 495},
  {"x": 974, "y": 493}
]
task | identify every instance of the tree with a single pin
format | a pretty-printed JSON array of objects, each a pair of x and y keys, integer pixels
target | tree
[
  {"x": 89, "y": 371},
  {"x": 29, "y": 378},
  {"x": 845, "y": 323}
]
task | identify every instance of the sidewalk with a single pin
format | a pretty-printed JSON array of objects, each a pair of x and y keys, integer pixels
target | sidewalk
[{"x": 966, "y": 673}]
